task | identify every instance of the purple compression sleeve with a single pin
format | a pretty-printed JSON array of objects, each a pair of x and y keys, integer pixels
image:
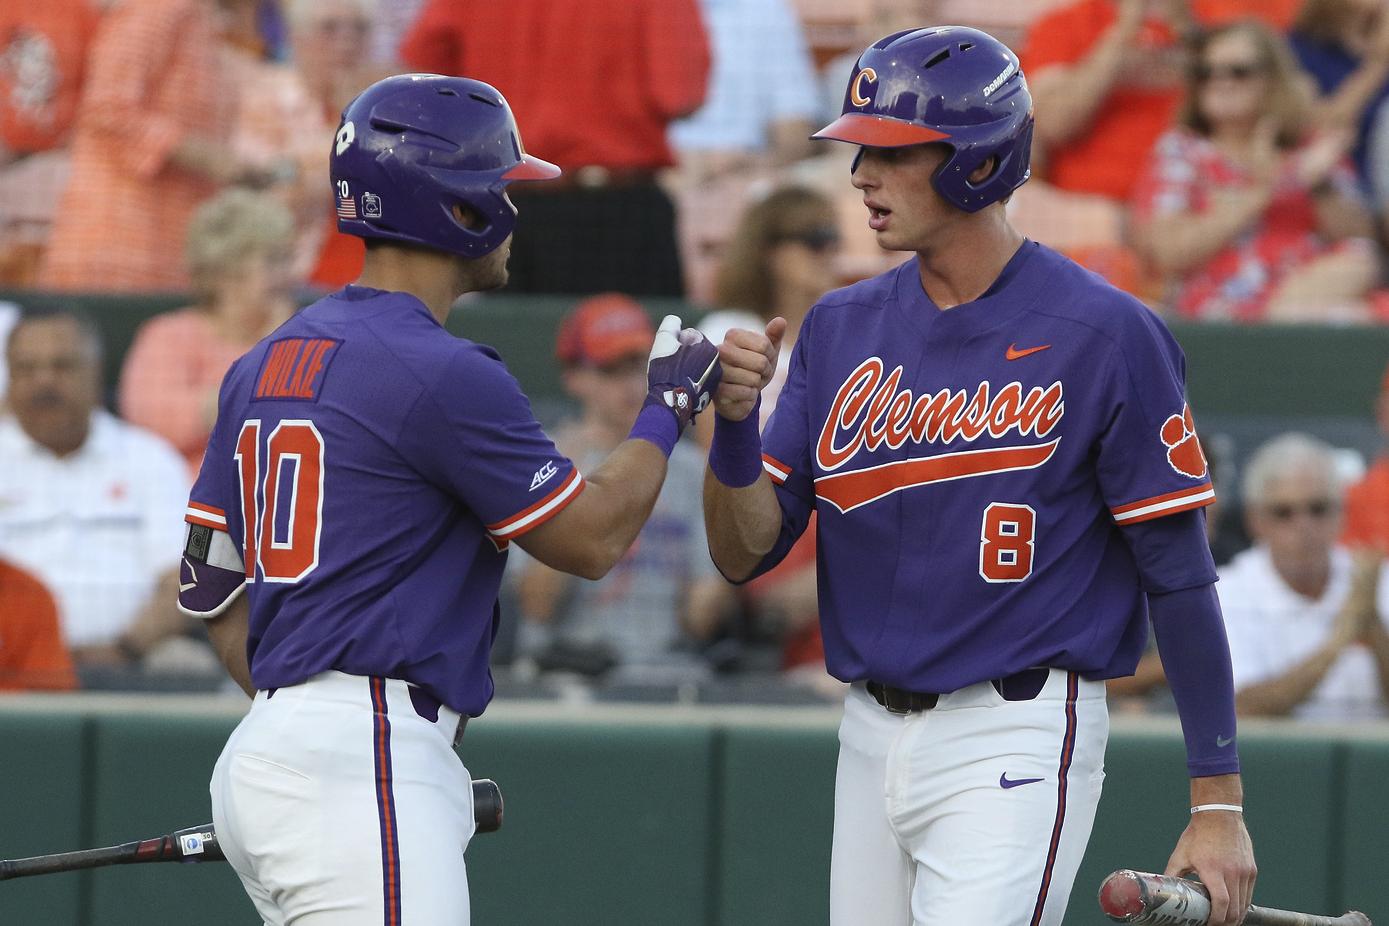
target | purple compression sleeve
[{"x": 1196, "y": 657}]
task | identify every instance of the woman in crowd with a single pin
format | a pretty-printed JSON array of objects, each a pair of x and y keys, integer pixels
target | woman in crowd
[
  {"x": 238, "y": 251},
  {"x": 779, "y": 262},
  {"x": 1250, "y": 213}
]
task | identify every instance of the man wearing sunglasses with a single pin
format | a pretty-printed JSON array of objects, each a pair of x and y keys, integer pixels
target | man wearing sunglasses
[{"x": 1304, "y": 615}]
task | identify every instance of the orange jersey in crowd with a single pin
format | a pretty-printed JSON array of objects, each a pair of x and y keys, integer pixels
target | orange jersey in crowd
[
  {"x": 1367, "y": 509},
  {"x": 1106, "y": 158},
  {"x": 540, "y": 54},
  {"x": 43, "y": 53},
  {"x": 157, "y": 76},
  {"x": 32, "y": 654}
]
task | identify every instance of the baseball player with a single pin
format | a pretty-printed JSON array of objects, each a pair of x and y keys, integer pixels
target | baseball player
[
  {"x": 349, "y": 526},
  {"x": 1007, "y": 483}
]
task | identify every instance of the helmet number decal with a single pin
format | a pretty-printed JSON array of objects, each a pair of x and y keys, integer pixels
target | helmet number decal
[
  {"x": 856, "y": 88},
  {"x": 346, "y": 135},
  {"x": 343, "y": 190}
]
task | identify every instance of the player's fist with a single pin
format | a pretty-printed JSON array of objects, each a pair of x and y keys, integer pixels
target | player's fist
[
  {"x": 749, "y": 361},
  {"x": 682, "y": 372}
]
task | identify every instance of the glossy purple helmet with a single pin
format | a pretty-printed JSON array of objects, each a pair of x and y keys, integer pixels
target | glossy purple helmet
[
  {"x": 411, "y": 147},
  {"x": 948, "y": 84}
]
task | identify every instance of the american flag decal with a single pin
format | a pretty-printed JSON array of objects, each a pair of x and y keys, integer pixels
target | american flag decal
[{"x": 347, "y": 207}]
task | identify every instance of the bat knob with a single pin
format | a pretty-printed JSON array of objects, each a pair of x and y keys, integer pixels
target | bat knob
[
  {"x": 487, "y": 805},
  {"x": 1121, "y": 896}
]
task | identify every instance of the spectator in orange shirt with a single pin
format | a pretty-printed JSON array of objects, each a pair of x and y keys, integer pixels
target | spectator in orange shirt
[
  {"x": 43, "y": 52},
  {"x": 32, "y": 655},
  {"x": 151, "y": 143},
  {"x": 594, "y": 84},
  {"x": 238, "y": 252},
  {"x": 1367, "y": 502},
  {"x": 1106, "y": 78}
]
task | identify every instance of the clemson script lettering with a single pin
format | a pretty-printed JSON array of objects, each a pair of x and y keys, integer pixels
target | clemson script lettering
[{"x": 870, "y": 411}]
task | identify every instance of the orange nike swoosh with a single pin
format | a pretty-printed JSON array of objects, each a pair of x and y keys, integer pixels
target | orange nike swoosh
[{"x": 1014, "y": 354}]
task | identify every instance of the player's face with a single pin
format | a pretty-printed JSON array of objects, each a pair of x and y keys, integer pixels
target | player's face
[
  {"x": 54, "y": 382},
  {"x": 1298, "y": 521},
  {"x": 904, "y": 209},
  {"x": 480, "y": 274}
]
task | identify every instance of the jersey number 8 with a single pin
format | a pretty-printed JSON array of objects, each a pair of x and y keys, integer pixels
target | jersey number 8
[
  {"x": 282, "y": 509},
  {"x": 1005, "y": 542}
]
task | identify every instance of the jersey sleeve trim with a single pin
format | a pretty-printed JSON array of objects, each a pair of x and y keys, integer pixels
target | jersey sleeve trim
[
  {"x": 1162, "y": 505},
  {"x": 778, "y": 470},
  {"x": 206, "y": 515},
  {"x": 532, "y": 517}
]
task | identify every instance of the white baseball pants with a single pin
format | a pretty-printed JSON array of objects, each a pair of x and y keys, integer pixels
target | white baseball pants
[
  {"x": 339, "y": 801},
  {"x": 974, "y": 812}
]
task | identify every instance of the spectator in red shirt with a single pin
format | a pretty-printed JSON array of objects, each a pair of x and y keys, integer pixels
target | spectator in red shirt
[
  {"x": 594, "y": 84},
  {"x": 1252, "y": 217},
  {"x": 1106, "y": 78}
]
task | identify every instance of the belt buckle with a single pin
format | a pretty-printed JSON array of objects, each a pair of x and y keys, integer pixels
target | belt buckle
[{"x": 895, "y": 704}]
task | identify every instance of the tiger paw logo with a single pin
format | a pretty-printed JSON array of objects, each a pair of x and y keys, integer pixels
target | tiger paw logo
[{"x": 1184, "y": 452}]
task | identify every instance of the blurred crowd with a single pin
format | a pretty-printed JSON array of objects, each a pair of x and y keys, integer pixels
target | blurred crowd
[{"x": 1224, "y": 160}]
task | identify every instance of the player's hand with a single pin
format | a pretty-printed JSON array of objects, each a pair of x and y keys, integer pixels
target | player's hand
[
  {"x": 682, "y": 371},
  {"x": 749, "y": 362},
  {"x": 1217, "y": 849}
]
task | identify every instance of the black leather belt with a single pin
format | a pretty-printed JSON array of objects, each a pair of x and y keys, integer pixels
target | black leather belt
[{"x": 1021, "y": 686}]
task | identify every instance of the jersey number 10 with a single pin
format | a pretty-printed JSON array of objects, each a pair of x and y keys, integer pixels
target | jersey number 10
[{"x": 282, "y": 508}]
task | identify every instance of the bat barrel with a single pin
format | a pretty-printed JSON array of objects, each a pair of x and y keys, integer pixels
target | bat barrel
[{"x": 1140, "y": 898}]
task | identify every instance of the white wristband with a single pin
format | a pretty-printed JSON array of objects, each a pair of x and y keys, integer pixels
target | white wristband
[{"x": 1232, "y": 808}]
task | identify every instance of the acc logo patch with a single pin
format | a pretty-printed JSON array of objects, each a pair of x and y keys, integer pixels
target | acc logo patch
[
  {"x": 1184, "y": 452},
  {"x": 856, "y": 88}
]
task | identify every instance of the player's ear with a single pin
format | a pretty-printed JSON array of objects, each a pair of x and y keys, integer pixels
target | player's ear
[{"x": 984, "y": 171}]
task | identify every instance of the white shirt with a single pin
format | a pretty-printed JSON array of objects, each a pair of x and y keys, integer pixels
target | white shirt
[
  {"x": 1272, "y": 628},
  {"x": 99, "y": 526},
  {"x": 761, "y": 74}
]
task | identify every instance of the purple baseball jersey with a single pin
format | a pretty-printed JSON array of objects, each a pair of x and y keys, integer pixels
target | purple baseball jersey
[
  {"x": 370, "y": 469},
  {"x": 973, "y": 468}
]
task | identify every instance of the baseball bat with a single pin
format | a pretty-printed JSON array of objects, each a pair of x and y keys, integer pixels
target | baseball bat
[
  {"x": 199, "y": 843},
  {"x": 1160, "y": 900}
]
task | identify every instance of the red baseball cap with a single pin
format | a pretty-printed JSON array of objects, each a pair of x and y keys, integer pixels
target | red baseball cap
[{"x": 603, "y": 329}]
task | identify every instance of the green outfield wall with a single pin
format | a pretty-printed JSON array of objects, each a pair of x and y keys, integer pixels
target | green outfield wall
[
  {"x": 646, "y": 815},
  {"x": 1246, "y": 371}
]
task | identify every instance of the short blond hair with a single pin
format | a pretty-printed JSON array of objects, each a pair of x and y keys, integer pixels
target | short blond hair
[{"x": 232, "y": 226}]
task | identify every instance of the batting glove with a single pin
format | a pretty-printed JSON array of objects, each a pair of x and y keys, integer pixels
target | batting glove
[{"x": 682, "y": 372}]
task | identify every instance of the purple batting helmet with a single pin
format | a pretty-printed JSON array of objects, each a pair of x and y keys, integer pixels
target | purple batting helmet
[
  {"x": 948, "y": 84},
  {"x": 411, "y": 147}
]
